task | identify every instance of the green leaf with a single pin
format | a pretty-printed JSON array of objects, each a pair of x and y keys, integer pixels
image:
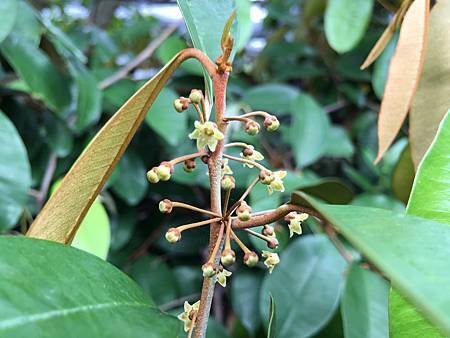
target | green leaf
[
  {"x": 272, "y": 97},
  {"x": 378, "y": 201},
  {"x": 94, "y": 233},
  {"x": 381, "y": 67},
  {"x": 411, "y": 251},
  {"x": 331, "y": 190},
  {"x": 155, "y": 277},
  {"x": 403, "y": 175},
  {"x": 8, "y": 12},
  {"x": 245, "y": 287},
  {"x": 245, "y": 23},
  {"x": 364, "y": 305},
  {"x": 71, "y": 289},
  {"x": 306, "y": 286},
  {"x": 271, "y": 328},
  {"x": 163, "y": 119},
  {"x": 308, "y": 130},
  {"x": 346, "y": 22},
  {"x": 59, "y": 136},
  {"x": 339, "y": 143},
  {"x": 27, "y": 25},
  {"x": 15, "y": 174},
  {"x": 131, "y": 184},
  {"x": 36, "y": 69},
  {"x": 430, "y": 198}
]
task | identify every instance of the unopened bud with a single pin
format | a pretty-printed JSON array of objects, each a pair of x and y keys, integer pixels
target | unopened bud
[
  {"x": 196, "y": 96},
  {"x": 208, "y": 270},
  {"x": 252, "y": 127},
  {"x": 165, "y": 206},
  {"x": 271, "y": 123},
  {"x": 273, "y": 243},
  {"x": 164, "y": 171},
  {"x": 205, "y": 159},
  {"x": 228, "y": 257},
  {"x": 228, "y": 182},
  {"x": 251, "y": 259},
  {"x": 178, "y": 105},
  {"x": 173, "y": 235},
  {"x": 268, "y": 230},
  {"x": 152, "y": 176},
  {"x": 266, "y": 177},
  {"x": 189, "y": 165},
  {"x": 247, "y": 152},
  {"x": 244, "y": 211}
]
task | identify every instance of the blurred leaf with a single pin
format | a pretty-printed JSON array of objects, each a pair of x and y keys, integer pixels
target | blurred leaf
[
  {"x": 432, "y": 99},
  {"x": 15, "y": 174},
  {"x": 331, "y": 190},
  {"x": 404, "y": 72},
  {"x": 88, "y": 96},
  {"x": 243, "y": 8},
  {"x": 272, "y": 97},
  {"x": 338, "y": 143},
  {"x": 378, "y": 201},
  {"x": 155, "y": 277},
  {"x": 163, "y": 118},
  {"x": 346, "y": 22},
  {"x": 131, "y": 184},
  {"x": 413, "y": 259},
  {"x": 8, "y": 12},
  {"x": 188, "y": 278},
  {"x": 245, "y": 289},
  {"x": 117, "y": 94},
  {"x": 381, "y": 67},
  {"x": 308, "y": 130},
  {"x": 94, "y": 233},
  {"x": 271, "y": 328},
  {"x": 64, "y": 211},
  {"x": 403, "y": 175},
  {"x": 59, "y": 136},
  {"x": 215, "y": 330},
  {"x": 69, "y": 287},
  {"x": 27, "y": 25},
  {"x": 364, "y": 305},
  {"x": 306, "y": 286},
  {"x": 36, "y": 69},
  {"x": 122, "y": 227},
  {"x": 333, "y": 329}
]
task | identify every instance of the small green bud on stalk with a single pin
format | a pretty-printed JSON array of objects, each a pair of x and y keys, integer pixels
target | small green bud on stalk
[
  {"x": 196, "y": 96},
  {"x": 164, "y": 171},
  {"x": 268, "y": 230},
  {"x": 208, "y": 269},
  {"x": 189, "y": 166},
  {"x": 178, "y": 105},
  {"x": 271, "y": 123},
  {"x": 228, "y": 182},
  {"x": 266, "y": 177},
  {"x": 244, "y": 212},
  {"x": 165, "y": 206},
  {"x": 173, "y": 235},
  {"x": 228, "y": 257},
  {"x": 273, "y": 243},
  {"x": 152, "y": 176},
  {"x": 251, "y": 259},
  {"x": 252, "y": 128}
]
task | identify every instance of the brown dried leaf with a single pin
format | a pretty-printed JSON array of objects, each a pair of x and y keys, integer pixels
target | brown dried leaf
[
  {"x": 403, "y": 76},
  {"x": 432, "y": 99}
]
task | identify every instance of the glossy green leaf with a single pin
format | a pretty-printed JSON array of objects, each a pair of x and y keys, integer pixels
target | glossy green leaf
[
  {"x": 71, "y": 294},
  {"x": 243, "y": 8},
  {"x": 346, "y": 22},
  {"x": 430, "y": 198},
  {"x": 27, "y": 25},
  {"x": 364, "y": 305},
  {"x": 411, "y": 251},
  {"x": 245, "y": 288},
  {"x": 155, "y": 277},
  {"x": 403, "y": 175},
  {"x": 378, "y": 201},
  {"x": 131, "y": 184},
  {"x": 381, "y": 67},
  {"x": 8, "y": 12},
  {"x": 273, "y": 97},
  {"x": 15, "y": 174},
  {"x": 308, "y": 130},
  {"x": 163, "y": 118},
  {"x": 331, "y": 190},
  {"x": 38, "y": 72},
  {"x": 94, "y": 233},
  {"x": 306, "y": 287},
  {"x": 59, "y": 136},
  {"x": 339, "y": 143}
]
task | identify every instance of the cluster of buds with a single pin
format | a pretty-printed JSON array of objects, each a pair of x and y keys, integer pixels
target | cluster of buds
[
  {"x": 182, "y": 103},
  {"x": 163, "y": 172}
]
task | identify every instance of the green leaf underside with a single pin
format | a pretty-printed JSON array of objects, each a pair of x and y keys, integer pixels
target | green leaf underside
[
  {"x": 430, "y": 198},
  {"x": 411, "y": 251},
  {"x": 311, "y": 274},
  {"x": 364, "y": 304},
  {"x": 106, "y": 301},
  {"x": 15, "y": 174},
  {"x": 7, "y": 21}
]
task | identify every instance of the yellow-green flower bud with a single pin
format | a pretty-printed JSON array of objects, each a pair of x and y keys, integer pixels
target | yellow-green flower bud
[
  {"x": 173, "y": 235},
  {"x": 244, "y": 211},
  {"x": 271, "y": 123},
  {"x": 164, "y": 171},
  {"x": 228, "y": 257},
  {"x": 266, "y": 177},
  {"x": 208, "y": 269},
  {"x": 228, "y": 182},
  {"x": 252, "y": 127},
  {"x": 189, "y": 166},
  {"x": 251, "y": 259},
  {"x": 178, "y": 105},
  {"x": 165, "y": 206},
  {"x": 152, "y": 176},
  {"x": 196, "y": 96}
]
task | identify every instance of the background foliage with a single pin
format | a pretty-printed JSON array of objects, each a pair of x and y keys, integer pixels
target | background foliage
[{"x": 296, "y": 59}]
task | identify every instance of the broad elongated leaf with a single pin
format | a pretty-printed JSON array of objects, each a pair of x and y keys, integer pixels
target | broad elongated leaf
[
  {"x": 403, "y": 175},
  {"x": 346, "y": 22},
  {"x": 65, "y": 210},
  {"x": 430, "y": 198},
  {"x": 432, "y": 99},
  {"x": 8, "y": 12},
  {"x": 381, "y": 67},
  {"x": 306, "y": 287},
  {"x": 71, "y": 294},
  {"x": 364, "y": 305},
  {"x": 411, "y": 251},
  {"x": 15, "y": 174},
  {"x": 272, "y": 97},
  {"x": 404, "y": 72}
]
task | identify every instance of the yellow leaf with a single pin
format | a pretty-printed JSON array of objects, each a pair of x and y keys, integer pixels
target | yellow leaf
[
  {"x": 384, "y": 39},
  {"x": 61, "y": 216},
  {"x": 403, "y": 77},
  {"x": 432, "y": 99}
]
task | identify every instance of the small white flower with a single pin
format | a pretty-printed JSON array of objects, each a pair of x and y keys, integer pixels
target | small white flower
[
  {"x": 206, "y": 134},
  {"x": 295, "y": 222},
  {"x": 222, "y": 277},
  {"x": 186, "y": 315},
  {"x": 249, "y": 153},
  {"x": 272, "y": 259},
  {"x": 277, "y": 183}
]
